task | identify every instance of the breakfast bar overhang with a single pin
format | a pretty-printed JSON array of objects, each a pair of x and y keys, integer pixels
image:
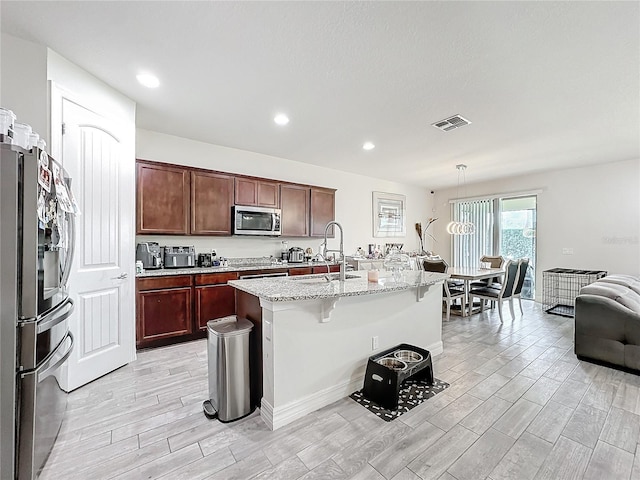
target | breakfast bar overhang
[{"x": 314, "y": 334}]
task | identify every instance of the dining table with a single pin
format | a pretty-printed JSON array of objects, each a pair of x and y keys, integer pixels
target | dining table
[{"x": 471, "y": 274}]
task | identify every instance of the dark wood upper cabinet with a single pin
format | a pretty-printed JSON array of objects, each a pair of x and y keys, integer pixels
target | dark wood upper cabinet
[
  {"x": 162, "y": 199},
  {"x": 257, "y": 192},
  {"x": 294, "y": 202},
  {"x": 211, "y": 201},
  {"x": 268, "y": 194},
  {"x": 176, "y": 200},
  {"x": 323, "y": 210},
  {"x": 246, "y": 191}
]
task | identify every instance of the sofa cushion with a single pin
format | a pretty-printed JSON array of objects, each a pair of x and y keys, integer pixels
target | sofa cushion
[
  {"x": 625, "y": 280},
  {"x": 621, "y": 294}
]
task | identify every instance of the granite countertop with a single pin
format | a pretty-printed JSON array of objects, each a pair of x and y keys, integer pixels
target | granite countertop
[
  {"x": 163, "y": 272},
  {"x": 308, "y": 287}
]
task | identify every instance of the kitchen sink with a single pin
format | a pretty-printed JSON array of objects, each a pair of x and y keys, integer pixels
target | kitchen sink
[{"x": 321, "y": 279}]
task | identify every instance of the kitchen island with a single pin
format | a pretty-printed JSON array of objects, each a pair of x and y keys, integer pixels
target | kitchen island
[{"x": 313, "y": 336}]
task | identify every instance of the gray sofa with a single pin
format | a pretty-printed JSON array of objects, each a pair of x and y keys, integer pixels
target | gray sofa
[{"x": 607, "y": 320}]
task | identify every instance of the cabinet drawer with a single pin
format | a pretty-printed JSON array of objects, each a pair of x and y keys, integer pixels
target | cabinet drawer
[
  {"x": 265, "y": 271},
  {"x": 215, "y": 278},
  {"x": 300, "y": 271},
  {"x": 323, "y": 269},
  {"x": 156, "y": 283}
]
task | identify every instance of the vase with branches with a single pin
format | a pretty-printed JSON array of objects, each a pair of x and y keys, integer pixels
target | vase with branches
[{"x": 422, "y": 233}]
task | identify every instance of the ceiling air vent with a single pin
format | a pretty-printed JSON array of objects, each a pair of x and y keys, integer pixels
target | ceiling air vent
[{"x": 450, "y": 123}]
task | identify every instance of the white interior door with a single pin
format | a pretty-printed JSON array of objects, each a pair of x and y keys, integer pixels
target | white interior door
[{"x": 102, "y": 166}]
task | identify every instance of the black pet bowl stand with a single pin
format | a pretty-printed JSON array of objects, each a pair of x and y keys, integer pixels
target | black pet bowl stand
[{"x": 382, "y": 384}]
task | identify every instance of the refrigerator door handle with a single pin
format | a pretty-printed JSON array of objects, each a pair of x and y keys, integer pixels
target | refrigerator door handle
[
  {"x": 30, "y": 329},
  {"x": 54, "y": 319},
  {"x": 72, "y": 247},
  {"x": 51, "y": 364}
]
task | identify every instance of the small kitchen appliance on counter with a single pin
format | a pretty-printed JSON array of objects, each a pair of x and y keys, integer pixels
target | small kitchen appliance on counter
[
  {"x": 204, "y": 260},
  {"x": 296, "y": 255},
  {"x": 179, "y": 257},
  {"x": 150, "y": 254}
]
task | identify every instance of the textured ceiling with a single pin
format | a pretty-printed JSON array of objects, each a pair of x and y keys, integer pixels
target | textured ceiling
[{"x": 545, "y": 84}]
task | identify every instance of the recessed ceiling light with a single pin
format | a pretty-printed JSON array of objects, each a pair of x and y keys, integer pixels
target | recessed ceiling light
[
  {"x": 148, "y": 80},
  {"x": 368, "y": 146},
  {"x": 281, "y": 119}
]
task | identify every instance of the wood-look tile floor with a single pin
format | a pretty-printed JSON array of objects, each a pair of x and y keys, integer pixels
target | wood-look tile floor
[{"x": 520, "y": 406}]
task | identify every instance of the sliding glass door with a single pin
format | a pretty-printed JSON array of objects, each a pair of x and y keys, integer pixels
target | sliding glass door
[
  {"x": 503, "y": 226},
  {"x": 517, "y": 228}
]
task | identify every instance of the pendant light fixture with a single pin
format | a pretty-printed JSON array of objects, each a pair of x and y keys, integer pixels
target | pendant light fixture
[{"x": 461, "y": 227}]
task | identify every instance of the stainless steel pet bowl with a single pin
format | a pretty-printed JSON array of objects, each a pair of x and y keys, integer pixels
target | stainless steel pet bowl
[
  {"x": 408, "y": 356},
  {"x": 392, "y": 363}
]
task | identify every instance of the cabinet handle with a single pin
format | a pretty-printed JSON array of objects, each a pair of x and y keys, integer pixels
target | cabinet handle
[{"x": 122, "y": 276}]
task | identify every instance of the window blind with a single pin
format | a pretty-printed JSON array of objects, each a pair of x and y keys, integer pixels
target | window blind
[{"x": 467, "y": 249}]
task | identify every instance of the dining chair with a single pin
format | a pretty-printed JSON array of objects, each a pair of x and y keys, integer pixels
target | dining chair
[
  {"x": 494, "y": 262},
  {"x": 512, "y": 269},
  {"x": 450, "y": 291},
  {"x": 523, "y": 265},
  {"x": 494, "y": 282}
]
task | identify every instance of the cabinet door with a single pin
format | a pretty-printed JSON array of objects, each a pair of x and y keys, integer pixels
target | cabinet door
[
  {"x": 268, "y": 194},
  {"x": 246, "y": 191},
  {"x": 162, "y": 199},
  {"x": 322, "y": 211},
  {"x": 211, "y": 201},
  {"x": 164, "y": 314},
  {"x": 294, "y": 202},
  {"x": 253, "y": 191},
  {"x": 214, "y": 301}
]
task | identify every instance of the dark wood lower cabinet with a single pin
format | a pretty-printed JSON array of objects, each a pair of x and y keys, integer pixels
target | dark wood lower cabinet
[
  {"x": 300, "y": 271},
  {"x": 176, "y": 308},
  {"x": 323, "y": 269},
  {"x": 214, "y": 298},
  {"x": 163, "y": 315}
]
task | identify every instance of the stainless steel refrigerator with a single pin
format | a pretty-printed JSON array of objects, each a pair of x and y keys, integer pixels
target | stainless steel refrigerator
[{"x": 37, "y": 212}]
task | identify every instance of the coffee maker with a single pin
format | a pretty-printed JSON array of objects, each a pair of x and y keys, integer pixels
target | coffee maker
[{"x": 150, "y": 254}]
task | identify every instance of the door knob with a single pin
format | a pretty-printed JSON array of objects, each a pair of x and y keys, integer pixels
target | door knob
[{"x": 122, "y": 276}]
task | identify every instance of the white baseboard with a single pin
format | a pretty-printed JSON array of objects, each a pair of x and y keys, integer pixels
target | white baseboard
[
  {"x": 435, "y": 348},
  {"x": 278, "y": 417}
]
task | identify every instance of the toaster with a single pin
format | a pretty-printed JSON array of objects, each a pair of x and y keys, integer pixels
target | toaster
[
  {"x": 179, "y": 257},
  {"x": 150, "y": 254}
]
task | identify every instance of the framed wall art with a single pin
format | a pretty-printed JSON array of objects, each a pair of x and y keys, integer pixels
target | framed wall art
[{"x": 389, "y": 214}]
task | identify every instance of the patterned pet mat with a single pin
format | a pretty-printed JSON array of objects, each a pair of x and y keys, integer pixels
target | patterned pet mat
[{"x": 412, "y": 394}]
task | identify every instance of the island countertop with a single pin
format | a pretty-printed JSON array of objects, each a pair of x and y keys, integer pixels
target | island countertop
[{"x": 309, "y": 287}]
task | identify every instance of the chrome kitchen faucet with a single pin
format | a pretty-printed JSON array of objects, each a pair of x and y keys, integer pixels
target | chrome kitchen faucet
[{"x": 343, "y": 267}]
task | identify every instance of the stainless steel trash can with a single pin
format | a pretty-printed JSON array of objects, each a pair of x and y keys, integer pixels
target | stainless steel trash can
[{"x": 228, "y": 356}]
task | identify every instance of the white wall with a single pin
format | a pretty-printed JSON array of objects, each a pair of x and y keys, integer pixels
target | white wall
[
  {"x": 353, "y": 195},
  {"x": 23, "y": 82},
  {"x": 594, "y": 210},
  {"x": 93, "y": 90}
]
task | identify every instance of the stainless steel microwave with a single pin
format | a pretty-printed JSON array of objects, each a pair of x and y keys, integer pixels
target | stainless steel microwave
[{"x": 249, "y": 220}]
